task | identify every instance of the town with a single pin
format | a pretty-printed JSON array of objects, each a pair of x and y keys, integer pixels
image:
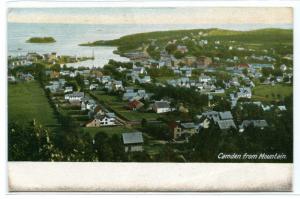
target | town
[{"x": 182, "y": 98}]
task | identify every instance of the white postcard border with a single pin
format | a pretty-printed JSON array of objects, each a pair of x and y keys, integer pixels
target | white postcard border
[
  {"x": 3, "y": 140},
  {"x": 162, "y": 177}
]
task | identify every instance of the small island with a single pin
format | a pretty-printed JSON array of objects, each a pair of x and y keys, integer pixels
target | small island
[{"x": 41, "y": 40}]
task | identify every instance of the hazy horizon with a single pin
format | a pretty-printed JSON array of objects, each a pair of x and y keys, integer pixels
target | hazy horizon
[{"x": 180, "y": 15}]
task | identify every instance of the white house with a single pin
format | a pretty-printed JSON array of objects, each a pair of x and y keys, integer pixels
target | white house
[
  {"x": 88, "y": 105},
  {"x": 120, "y": 69},
  {"x": 86, "y": 82},
  {"x": 161, "y": 107},
  {"x": 93, "y": 86},
  {"x": 105, "y": 79},
  {"x": 75, "y": 96},
  {"x": 11, "y": 78},
  {"x": 117, "y": 85},
  {"x": 65, "y": 73},
  {"x": 138, "y": 70},
  {"x": 146, "y": 79},
  {"x": 101, "y": 120},
  {"x": 54, "y": 86},
  {"x": 283, "y": 67},
  {"x": 73, "y": 74},
  {"x": 244, "y": 93},
  {"x": 279, "y": 79},
  {"x": 204, "y": 78},
  {"x": 68, "y": 89},
  {"x": 282, "y": 108}
]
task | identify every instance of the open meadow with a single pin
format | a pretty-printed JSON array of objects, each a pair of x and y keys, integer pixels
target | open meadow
[{"x": 27, "y": 101}]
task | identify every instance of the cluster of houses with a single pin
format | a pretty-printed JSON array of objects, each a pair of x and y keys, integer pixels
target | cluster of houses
[
  {"x": 20, "y": 76},
  {"x": 183, "y": 130},
  {"x": 204, "y": 84},
  {"x": 18, "y": 61},
  {"x": 98, "y": 115},
  {"x": 139, "y": 75},
  {"x": 109, "y": 83},
  {"x": 224, "y": 120},
  {"x": 33, "y": 57},
  {"x": 134, "y": 97},
  {"x": 59, "y": 86},
  {"x": 243, "y": 92},
  {"x": 132, "y": 94}
]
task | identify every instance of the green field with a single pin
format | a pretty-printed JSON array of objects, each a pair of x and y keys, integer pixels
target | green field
[
  {"x": 269, "y": 92},
  {"x": 27, "y": 101}
]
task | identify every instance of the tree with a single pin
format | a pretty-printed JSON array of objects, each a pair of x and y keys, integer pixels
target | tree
[
  {"x": 102, "y": 149},
  {"x": 140, "y": 156},
  {"x": 266, "y": 71},
  {"x": 31, "y": 143},
  {"x": 167, "y": 154},
  {"x": 155, "y": 54},
  {"x": 144, "y": 122},
  {"x": 170, "y": 48},
  {"x": 18, "y": 143},
  {"x": 277, "y": 72},
  {"x": 158, "y": 131},
  {"x": 55, "y": 67},
  {"x": 222, "y": 105},
  {"x": 80, "y": 82},
  {"x": 245, "y": 71},
  {"x": 178, "y": 54},
  {"x": 117, "y": 148}
]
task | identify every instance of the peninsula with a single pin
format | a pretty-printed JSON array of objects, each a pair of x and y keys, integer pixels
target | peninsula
[{"x": 153, "y": 41}]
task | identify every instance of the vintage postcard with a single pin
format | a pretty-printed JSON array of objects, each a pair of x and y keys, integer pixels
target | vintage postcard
[{"x": 150, "y": 90}]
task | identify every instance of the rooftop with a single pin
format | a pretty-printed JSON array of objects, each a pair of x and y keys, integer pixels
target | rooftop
[
  {"x": 162, "y": 104},
  {"x": 255, "y": 123},
  {"x": 132, "y": 138},
  {"x": 226, "y": 124},
  {"x": 225, "y": 115},
  {"x": 189, "y": 125}
]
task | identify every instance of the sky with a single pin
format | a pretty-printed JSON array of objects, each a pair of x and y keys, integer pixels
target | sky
[{"x": 180, "y": 15}]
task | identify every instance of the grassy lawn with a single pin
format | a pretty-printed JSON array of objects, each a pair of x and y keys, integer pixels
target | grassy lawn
[
  {"x": 153, "y": 147},
  {"x": 164, "y": 79},
  {"x": 27, "y": 101},
  {"x": 108, "y": 130},
  {"x": 138, "y": 116},
  {"x": 269, "y": 92}
]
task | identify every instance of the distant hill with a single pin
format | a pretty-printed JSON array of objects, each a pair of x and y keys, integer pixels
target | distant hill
[
  {"x": 41, "y": 40},
  {"x": 262, "y": 36}
]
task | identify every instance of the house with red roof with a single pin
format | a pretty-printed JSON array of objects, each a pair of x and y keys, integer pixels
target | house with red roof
[{"x": 135, "y": 105}]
